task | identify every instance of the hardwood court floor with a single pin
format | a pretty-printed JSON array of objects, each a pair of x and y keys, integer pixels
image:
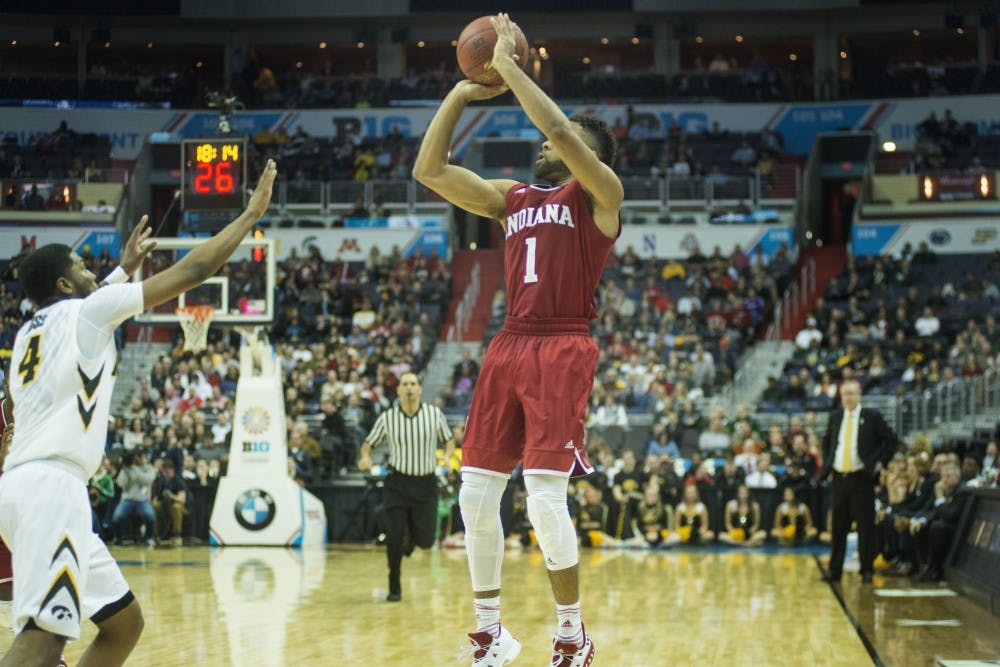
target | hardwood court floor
[{"x": 270, "y": 607}]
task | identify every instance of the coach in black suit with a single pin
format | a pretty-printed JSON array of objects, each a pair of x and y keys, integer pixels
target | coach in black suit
[{"x": 857, "y": 442}]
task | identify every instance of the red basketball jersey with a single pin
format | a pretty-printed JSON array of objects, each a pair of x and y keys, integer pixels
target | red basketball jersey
[{"x": 554, "y": 253}]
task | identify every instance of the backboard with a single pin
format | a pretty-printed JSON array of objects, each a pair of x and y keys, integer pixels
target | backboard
[{"x": 242, "y": 292}]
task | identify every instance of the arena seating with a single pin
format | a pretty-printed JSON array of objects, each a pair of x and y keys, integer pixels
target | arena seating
[
  {"x": 640, "y": 331},
  {"x": 65, "y": 155},
  {"x": 961, "y": 294},
  {"x": 326, "y": 355}
]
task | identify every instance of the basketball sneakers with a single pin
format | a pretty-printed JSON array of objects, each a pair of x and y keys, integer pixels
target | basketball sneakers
[
  {"x": 565, "y": 654},
  {"x": 488, "y": 651}
]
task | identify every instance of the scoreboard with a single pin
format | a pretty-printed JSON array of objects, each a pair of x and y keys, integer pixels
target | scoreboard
[{"x": 213, "y": 174}]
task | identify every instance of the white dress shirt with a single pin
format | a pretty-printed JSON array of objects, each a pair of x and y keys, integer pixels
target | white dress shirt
[{"x": 838, "y": 455}]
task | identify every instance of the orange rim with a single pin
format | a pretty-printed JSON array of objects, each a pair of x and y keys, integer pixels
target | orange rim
[{"x": 198, "y": 313}]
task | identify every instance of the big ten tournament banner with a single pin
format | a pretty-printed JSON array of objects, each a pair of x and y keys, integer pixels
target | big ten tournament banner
[
  {"x": 798, "y": 124},
  {"x": 93, "y": 240},
  {"x": 679, "y": 242},
  {"x": 355, "y": 244},
  {"x": 945, "y": 236}
]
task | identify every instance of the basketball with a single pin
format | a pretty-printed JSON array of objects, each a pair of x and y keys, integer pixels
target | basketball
[{"x": 475, "y": 51}]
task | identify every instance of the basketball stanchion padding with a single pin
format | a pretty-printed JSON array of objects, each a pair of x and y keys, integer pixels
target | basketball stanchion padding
[{"x": 195, "y": 320}]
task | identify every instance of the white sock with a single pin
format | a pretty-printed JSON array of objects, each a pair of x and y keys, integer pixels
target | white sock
[
  {"x": 488, "y": 616},
  {"x": 570, "y": 626}
]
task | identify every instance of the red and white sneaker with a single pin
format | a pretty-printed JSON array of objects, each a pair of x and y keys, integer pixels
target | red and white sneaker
[
  {"x": 488, "y": 651},
  {"x": 565, "y": 654}
]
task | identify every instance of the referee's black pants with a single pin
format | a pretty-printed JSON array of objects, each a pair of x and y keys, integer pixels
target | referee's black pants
[{"x": 409, "y": 505}]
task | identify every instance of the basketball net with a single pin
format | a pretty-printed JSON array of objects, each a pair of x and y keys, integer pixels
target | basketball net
[
  {"x": 253, "y": 342},
  {"x": 194, "y": 321}
]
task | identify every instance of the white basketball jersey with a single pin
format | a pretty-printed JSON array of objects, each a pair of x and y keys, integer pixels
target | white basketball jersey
[{"x": 62, "y": 397}]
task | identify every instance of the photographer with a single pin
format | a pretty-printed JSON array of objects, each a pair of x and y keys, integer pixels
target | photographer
[
  {"x": 135, "y": 479},
  {"x": 170, "y": 501}
]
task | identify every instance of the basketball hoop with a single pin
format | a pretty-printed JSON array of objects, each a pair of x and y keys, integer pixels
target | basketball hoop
[{"x": 194, "y": 320}]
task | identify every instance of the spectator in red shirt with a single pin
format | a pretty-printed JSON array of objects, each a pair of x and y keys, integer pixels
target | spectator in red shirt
[{"x": 739, "y": 259}]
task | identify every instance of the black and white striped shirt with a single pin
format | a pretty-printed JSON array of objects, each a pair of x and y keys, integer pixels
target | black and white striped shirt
[{"x": 413, "y": 441}]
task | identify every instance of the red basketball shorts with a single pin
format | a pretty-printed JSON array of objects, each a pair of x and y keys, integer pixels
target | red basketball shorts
[{"x": 530, "y": 400}]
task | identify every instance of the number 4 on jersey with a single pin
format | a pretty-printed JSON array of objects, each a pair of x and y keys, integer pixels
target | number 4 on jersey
[
  {"x": 529, "y": 262},
  {"x": 28, "y": 367}
]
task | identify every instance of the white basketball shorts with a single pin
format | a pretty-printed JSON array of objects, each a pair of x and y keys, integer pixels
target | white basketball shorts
[{"x": 63, "y": 572}]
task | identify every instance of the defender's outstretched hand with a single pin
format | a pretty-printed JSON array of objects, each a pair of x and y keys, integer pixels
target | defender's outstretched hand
[
  {"x": 137, "y": 248},
  {"x": 506, "y": 44},
  {"x": 261, "y": 197}
]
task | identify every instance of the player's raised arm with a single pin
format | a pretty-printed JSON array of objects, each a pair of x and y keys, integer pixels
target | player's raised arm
[
  {"x": 201, "y": 263},
  {"x": 461, "y": 187},
  {"x": 597, "y": 178}
]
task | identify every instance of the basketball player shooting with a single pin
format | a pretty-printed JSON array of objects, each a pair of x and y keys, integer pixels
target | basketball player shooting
[
  {"x": 531, "y": 397},
  {"x": 64, "y": 365}
]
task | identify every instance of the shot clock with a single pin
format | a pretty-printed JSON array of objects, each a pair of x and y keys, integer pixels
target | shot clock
[{"x": 213, "y": 174}]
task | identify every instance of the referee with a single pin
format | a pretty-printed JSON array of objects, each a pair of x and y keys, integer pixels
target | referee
[{"x": 410, "y": 496}]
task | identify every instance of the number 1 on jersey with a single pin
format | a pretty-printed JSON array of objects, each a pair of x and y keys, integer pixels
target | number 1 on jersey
[{"x": 529, "y": 262}]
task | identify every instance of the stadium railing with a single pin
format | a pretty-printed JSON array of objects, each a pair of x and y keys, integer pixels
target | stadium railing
[
  {"x": 799, "y": 294},
  {"x": 406, "y": 194},
  {"x": 463, "y": 312},
  {"x": 952, "y": 408},
  {"x": 340, "y": 195}
]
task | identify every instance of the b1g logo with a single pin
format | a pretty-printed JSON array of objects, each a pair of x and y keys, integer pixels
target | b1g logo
[
  {"x": 256, "y": 446},
  {"x": 254, "y": 509}
]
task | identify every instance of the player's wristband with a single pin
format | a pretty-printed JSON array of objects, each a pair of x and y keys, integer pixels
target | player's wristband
[{"x": 117, "y": 277}]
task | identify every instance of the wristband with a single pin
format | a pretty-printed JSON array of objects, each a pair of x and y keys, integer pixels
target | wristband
[{"x": 117, "y": 277}]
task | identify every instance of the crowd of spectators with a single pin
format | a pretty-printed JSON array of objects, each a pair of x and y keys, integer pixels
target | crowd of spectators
[
  {"x": 899, "y": 325},
  {"x": 946, "y": 143},
  {"x": 283, "y": 81},
  {"x": 937, "y": 78},
  {"x": 62, "y": 154},
  {"x": 921, "y": 496},
  {"x": 115, "y": 79},
  {"x": 308, "y": 88},
  {"x": 698, "y": 476},
  {"x": 746, "y": 483},
  {"x": 763, "y": 485},
  {"x": 647, "y": 148},
  {"x": 345, "y": 332},
  {"x": 669, "y": 332},
  {"x": 306, "y": 159}
]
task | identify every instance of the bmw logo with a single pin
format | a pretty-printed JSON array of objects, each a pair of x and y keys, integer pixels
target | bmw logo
[
  {"x": 254, "y": 509},
  {"x": 940, "y": 237}
]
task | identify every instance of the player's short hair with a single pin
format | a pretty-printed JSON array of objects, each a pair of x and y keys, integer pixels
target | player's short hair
[
  {"x": 42, "y": 268},
  {"x": 603, "y": 137}
]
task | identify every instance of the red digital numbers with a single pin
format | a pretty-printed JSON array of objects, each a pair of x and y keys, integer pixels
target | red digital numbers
[
  {"x": 214, "y": 178},
  {"x": 203, "y": 178},
  {"x": 224, "y": 177}
]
